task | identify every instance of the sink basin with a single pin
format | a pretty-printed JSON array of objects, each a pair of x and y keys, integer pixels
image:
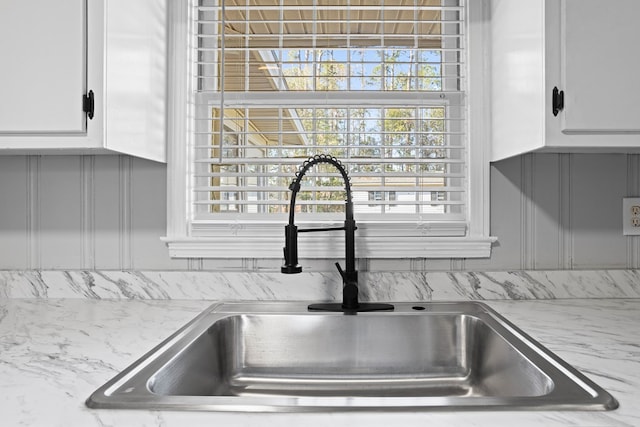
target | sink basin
[{"x": 281, "y": 357}]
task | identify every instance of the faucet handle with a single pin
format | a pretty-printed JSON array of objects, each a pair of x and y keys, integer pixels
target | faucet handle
[
  {"x": 348, "y": 277},
  {"x": 341, "y": 271},
  {"x": 349, "y": 290}
]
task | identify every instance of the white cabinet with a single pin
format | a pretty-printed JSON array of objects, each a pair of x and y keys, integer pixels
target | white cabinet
[
  {"x": 57, "y": 53},
  {"x": 584, "y": 49}
]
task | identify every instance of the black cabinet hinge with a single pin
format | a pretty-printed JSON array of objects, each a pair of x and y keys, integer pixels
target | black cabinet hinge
[
  {"x": 88, "y": 104},
  {"x": 557, "y": 101}
]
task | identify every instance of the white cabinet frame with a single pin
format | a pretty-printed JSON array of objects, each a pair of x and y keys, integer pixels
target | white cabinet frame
[
  {"x": 126, "y": 70},
  {"x": 529, "y": 58}
]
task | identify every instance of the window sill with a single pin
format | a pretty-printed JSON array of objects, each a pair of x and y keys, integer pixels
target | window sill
[{"x": 331, "y": 245}]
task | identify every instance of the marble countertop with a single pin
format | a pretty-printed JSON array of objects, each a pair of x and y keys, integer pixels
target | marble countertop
[{"x": 55, "y": 352}]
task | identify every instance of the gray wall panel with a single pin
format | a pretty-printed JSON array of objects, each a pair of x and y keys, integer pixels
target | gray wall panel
[
  {"x": 598, "y": 184},
  {"x": 60, "y": 212},
  {"x": 545, "y": 221},
  {"x": 107, "y": 213},
  {"x": 14, "y": 222}
]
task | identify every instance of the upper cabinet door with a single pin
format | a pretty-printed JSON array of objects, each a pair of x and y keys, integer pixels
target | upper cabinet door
[
  {"x": 43, "y": 76},
  {"x": 601, "y": 66}
]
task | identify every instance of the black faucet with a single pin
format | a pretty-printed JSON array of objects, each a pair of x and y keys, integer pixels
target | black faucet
[{"x": 349, "y": 275}]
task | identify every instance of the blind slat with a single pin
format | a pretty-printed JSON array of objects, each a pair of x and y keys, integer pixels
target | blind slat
[
  {"x": 311, "y": 174},
  {"x": 328, "y": 7},
  {"x": 326, "y": 202},
  {"x": 299, "y": 160},
  {"x": 258, "y": 189},
  {"x": 323, "y": 147}
]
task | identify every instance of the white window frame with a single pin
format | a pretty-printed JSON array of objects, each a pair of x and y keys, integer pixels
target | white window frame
[{"x": 187, "y": 238}]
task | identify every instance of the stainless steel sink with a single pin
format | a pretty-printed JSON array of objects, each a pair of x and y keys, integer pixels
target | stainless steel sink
[{"x": 281, "y": 357}]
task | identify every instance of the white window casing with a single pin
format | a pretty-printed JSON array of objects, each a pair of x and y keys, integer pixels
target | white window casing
[{"x": 399, "y": 103}]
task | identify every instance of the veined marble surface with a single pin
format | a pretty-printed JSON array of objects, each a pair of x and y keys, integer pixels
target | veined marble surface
[
  {"x": 378, "y": 286},
  {"x": 55, "y": 353}
]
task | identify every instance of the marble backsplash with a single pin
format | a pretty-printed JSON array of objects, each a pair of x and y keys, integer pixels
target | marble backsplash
[{"x": 374, "y": 286}]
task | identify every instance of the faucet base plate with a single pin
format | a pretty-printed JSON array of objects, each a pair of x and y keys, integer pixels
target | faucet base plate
[{"x": 362, "y": 307}]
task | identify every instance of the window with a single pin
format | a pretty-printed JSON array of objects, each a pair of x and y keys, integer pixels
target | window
[{"x": 381, "y": 85}]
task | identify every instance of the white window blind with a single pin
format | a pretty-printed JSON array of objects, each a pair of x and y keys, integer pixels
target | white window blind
[{"x": 379, "y": 84}]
